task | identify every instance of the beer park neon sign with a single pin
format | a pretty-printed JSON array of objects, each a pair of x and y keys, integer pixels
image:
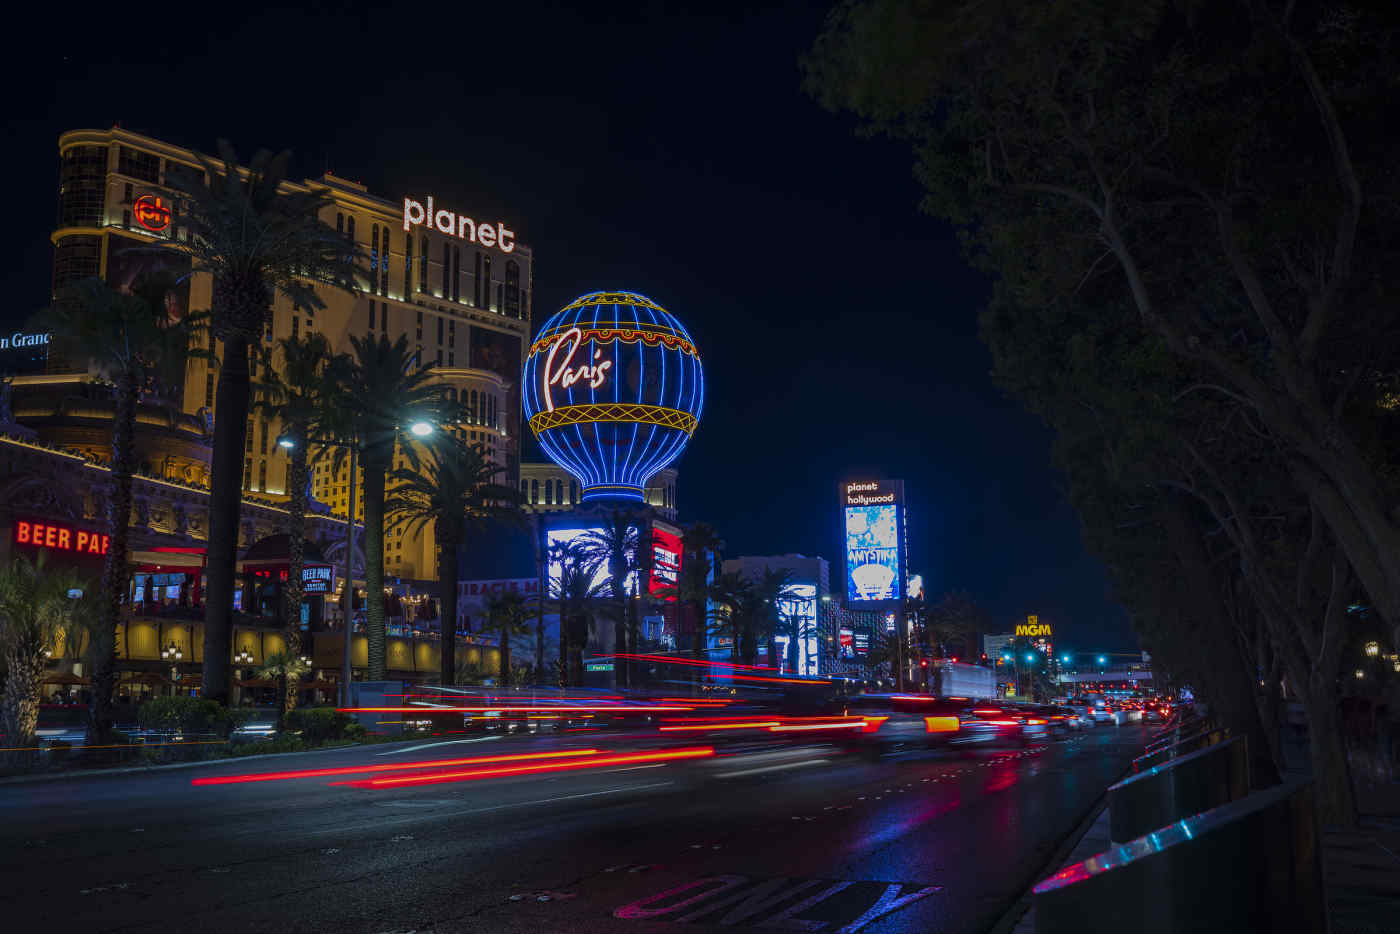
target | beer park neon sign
[
  {"x": 60, "y": 537},
  {"x": 416, "y": 214}
]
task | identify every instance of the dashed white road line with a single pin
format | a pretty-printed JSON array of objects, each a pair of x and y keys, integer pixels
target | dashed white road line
[{"x": 446, "y": 742}]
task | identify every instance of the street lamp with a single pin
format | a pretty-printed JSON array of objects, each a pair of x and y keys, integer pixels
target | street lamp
[
  {"x": 1103, "y": 660},
  {"x": 244, "y": 657},
  {"x": 286, "y": 442},
  {"x": 421, "y": 429},
  {"x": 173, "y": 654},
  {"x": 1373, "y": 649},
  {"x": 1065, "y": 659}
]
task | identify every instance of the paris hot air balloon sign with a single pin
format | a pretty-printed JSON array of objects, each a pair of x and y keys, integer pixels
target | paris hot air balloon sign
[{"x": 613, "y": 390}]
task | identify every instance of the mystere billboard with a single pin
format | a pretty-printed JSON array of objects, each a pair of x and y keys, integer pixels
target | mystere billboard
[{"x": 873, "y": 528}]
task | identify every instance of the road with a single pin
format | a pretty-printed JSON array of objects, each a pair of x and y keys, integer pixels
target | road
[{"x": 797, "y": 838}]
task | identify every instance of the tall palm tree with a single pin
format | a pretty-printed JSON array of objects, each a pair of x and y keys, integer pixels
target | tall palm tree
[
  {"x": 456, "y": 492},
  {"x": 34, "y": 610},
  {"x": 508, "y": 616},
  {"x": 616, "y": 545},
  {"x": 130, "y": 339},
  {"x": 384, "y": 390},
  {"x": 256, "y": 239},
  {"x": 701, "y": 545},
  {"x": 773, "y": 588},
  {"x": 297, "y": 395},
  {"x": 572, "y": 593}
]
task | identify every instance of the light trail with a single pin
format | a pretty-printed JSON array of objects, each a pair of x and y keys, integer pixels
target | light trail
[
  {"x": 434, "y": 778},
  {"x": 386, "y": 767}
]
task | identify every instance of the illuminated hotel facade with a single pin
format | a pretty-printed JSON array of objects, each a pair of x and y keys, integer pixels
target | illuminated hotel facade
[{"x": 462, "y": 299}]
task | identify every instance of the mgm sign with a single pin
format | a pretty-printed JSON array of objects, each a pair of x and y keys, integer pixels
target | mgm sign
[{"x": 1033, "y": 628}]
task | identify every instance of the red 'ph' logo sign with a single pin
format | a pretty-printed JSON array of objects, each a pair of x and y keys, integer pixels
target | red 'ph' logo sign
[{"x": 150, "y": 212}]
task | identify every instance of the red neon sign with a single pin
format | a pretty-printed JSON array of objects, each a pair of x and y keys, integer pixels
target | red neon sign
[
  {"x": 150, "y": 212},
  {"x": 665, "y": 564},
  {"x": 60, "y": 537}
]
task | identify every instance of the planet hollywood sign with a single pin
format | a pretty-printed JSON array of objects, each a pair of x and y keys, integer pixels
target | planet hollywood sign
[{"x": 418, "y": 214}]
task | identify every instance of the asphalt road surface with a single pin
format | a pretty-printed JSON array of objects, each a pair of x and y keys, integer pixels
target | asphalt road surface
[{"x": 795, "y": 838}]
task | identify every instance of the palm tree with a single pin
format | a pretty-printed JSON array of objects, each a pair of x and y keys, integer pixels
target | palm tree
[
  {"x": 508, "y": 616},
  {"x": 773, "y": 589},
  {"x": 571, "y": 594},
  {"x": 297, "y": 396},
  {"x": 35, "y": 607},
  {"x": 456, "y": 492},
  {"x": 736, "y": 603},
  {"x": 702, "y": 545},
  {"x": 287, "y": 667},
  {"x": 256, "y": 240},
  {"x": 131, "y": 340},
  {"x": 795, "y": 627},
  {"x": 616, "y": 544},
  {"x": 383, "y": 390}
]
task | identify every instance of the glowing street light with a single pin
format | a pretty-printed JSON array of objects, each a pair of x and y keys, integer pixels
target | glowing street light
[
  {"x": 1373, "y": 649},
  {"x": 1103, "y": 660},
  {"x": 421, "y": 429},
  {"x": 1030, "y": 658},
  {"x": 286, "y": 442},
  {"x": 1065, "y": 659}
]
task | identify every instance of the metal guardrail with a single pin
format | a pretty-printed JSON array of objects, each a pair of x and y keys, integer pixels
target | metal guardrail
[
  {"x": 1251, "y": 865},
  {"x": 1178, "y": 788},
  {"x": 1180, "y": 748}
]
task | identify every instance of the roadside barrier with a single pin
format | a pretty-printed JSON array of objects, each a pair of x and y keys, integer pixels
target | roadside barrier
[
  {"x": 1250, "y": 865},
  {"x": 1192, "y": 743},
  {"x": 1178, "y": 788}
]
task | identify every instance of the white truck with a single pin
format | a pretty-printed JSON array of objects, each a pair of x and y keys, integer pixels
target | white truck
[{"x": 956, "y": 679}]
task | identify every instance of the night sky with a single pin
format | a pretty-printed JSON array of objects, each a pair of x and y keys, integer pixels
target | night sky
[{"x": 654, "y": 151}]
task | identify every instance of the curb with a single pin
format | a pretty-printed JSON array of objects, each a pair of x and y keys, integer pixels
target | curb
[{"x": 134, "y": 769}]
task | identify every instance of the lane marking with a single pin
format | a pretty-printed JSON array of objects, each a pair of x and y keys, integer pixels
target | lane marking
[
  {"x": 450, "y": 742},
  {"x": 771, "y": 768}
]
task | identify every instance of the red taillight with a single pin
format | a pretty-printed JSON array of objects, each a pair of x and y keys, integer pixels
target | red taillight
[
  {"x": 1002, "y": 722},
  {"x": 941, "y": 724},
  {"x": 986, "y": 710},
  {"x": 873, "y": 724}
]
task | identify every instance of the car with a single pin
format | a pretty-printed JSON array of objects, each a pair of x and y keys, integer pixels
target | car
[
  {"x": 1059, "y": 721},
  {"x": 904, "y": 721},
  {"x": 1006, "y": 723}
]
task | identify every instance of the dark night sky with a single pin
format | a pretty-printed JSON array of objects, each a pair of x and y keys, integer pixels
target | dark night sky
[{"x": 657, "y": 151}]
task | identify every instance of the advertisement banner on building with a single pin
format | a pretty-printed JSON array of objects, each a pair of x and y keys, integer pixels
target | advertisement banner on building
[
  {"x": 873, "y": 529},
  {"x": 665, "y": 568},
  {"x": 473, "y": 598}
]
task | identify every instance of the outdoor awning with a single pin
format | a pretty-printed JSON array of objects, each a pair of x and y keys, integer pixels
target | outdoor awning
[{"x": 66, "y": 677}]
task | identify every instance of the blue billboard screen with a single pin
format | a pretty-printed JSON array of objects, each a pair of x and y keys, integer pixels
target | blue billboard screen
[{"x": 873, "y": 569}]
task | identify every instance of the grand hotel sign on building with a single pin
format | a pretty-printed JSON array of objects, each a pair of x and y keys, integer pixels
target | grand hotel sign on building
[{"x": 423, "y": 214}]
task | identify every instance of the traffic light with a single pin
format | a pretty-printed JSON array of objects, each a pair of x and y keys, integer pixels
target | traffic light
[{"x": 923, "y": 663}]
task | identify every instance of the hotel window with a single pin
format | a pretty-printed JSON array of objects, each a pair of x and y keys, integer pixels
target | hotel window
[
  {"x": 247, "y": 473},
  {"x": 423, "y": 265},
  {"x": 81, "y": 187},
  {"x": 374, "y": 258},
  {"x": 75, "y": 258},
  {"x": 524, "y": 488},
  {"x": 476, "y": 283},
  {"x": 126, "y": 217},
  {"x": 534, "y": 490},
  {"x": 573, "y": 492},
  {"x": 128, "y": 195},
  {"x": 248, "y": 443},
  {"x": 472, "y": 415},
  {"x": 384, "y": 262},
  {"x": 485, "y": 282},
  {"x": 549, "y": 492},
  {"x": 452, "y": 334},
  {"x": 267, "y": 334},
  {"x": 446, "y": 268},
  {"x": 138, "y": 164},
  {"x": 512, "y": 305},
  {"x": 439, "y": 357},
  {"x": 420, "y": 326},
  {"x": 451, "y": 358},
  {"x": 296, "y": 327},
  {"x": 408, "y": 267},
  {"x": 262, "y": 444},
  {"x": 209, "y": 389},
  {"x": 339, "y": 222},
  {"x": 262, "y": 476},
  {"x": 350, "y": 227},
  {"x": 440, "y": 326}
]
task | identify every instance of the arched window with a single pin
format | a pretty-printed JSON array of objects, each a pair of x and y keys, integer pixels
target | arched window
[
  {"x": 475, "y": 418},
  {"x": 534, "y": 491},
  {"x": 350, "y": 226},
  {"x": 491, "y": 411},
  {"x": 549, "y": 492},
  {"x": 262, "y": 476},
  {"x": 339, "y": 222}
]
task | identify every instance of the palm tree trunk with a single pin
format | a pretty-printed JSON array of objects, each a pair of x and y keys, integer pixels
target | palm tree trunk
[
  {"x": 114, "y": 568},
  {"x": 504, "y": 655},
  {"x": 374, "y": 565},
  {"x": 225, "y": 501},
  {"x": 447, "y": 580},
  {"x": 294, "y": 592}
]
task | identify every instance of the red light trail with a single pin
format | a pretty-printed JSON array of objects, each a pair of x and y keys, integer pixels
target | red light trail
[
  {"x": 396, "y": 767},
  {"x": 434, "y": 778}
]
